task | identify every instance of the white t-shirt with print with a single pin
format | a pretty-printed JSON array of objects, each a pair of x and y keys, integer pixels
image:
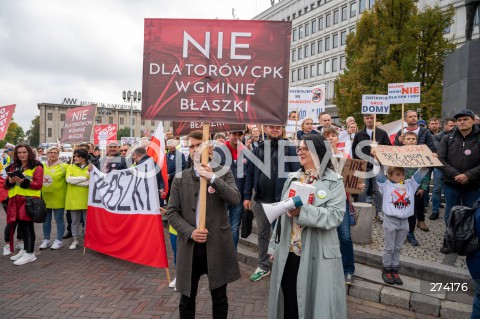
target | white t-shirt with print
[{"x": 398, "y": 199}]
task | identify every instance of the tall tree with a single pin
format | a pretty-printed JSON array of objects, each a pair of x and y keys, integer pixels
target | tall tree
[
  {"x": 395, "y": 43},
  {"x": 33, "y": 134},
  {"x": 15, "y": 134},
  {"x": 123, "y": 132}
]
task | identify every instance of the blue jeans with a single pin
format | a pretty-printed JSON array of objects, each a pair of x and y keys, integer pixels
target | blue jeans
[
  {"x": 437, "y": 190},
  {"x": 346, "y": 245},
  {"x": 235, "y": 215},
  {"x": 47, "y": 225},
  {"x": 476, "y": 300},
  {"x": 173, "y": 242},
  {"x": 456, "y": 195}
]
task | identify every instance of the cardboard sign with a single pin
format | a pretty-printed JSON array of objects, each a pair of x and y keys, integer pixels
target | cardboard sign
[
  {"x": 399, "y": 93},
  {"x": 407, "y": 156},
  {"x": 78, "y": 124},
  {"x": 352, "y": 173},
  {"x": 306, "y": 102},
  {"x": 226, "y": 71},
  {"x": 6, "y": 113},
  {"x": 183, "y": 128},
  {"x": 375, "y": 104},
  {"x": 107, "y": 131}
]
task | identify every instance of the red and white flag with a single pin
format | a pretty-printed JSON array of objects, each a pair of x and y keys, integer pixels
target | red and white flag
[
  {"x": 156, "y": 150},
  {"x": 6, "y": 113},
  {"x": 124, "y": 219}
]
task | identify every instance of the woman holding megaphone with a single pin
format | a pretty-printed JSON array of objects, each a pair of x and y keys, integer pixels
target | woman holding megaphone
[{"x": 307, "y": 275}]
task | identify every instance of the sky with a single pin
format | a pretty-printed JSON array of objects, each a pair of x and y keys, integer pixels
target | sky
[{"x": 86, "y": 49}]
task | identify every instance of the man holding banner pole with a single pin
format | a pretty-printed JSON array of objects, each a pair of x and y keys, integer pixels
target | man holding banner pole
[{"x": 203, "y": 251}]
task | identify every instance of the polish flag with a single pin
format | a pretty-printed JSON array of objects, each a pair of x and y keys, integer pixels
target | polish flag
[
  {"x": 123, "y": 218},
  {"x": 392, "y": 129},
  {"x": 156, "y": 150}
]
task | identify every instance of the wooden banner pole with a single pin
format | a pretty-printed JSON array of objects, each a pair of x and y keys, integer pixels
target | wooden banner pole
[
  {"x": 168, "y": 275},
  {"x": 203, "y": 181},
  {"x": 374, "y": 126},
  {"x": 263, "y": 136},
  {"x": 74, "y": 148},
  {"x": 402, "y": 116}
]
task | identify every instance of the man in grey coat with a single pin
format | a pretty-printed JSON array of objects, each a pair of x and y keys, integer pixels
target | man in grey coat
[{"x": 203, "y": 251}]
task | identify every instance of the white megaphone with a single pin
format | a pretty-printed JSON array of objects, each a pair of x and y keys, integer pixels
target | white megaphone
[{"x": 273, "y": 211}]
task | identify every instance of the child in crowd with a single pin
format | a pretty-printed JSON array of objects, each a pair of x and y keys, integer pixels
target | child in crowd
[
  {"x": 398, "y": 205},
  {"x": 411, "y": 138}
]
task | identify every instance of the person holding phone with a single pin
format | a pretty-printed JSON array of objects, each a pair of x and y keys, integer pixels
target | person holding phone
[{"x": 25, "y": 178}]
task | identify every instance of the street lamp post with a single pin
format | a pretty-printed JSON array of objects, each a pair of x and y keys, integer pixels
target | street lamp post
[{"x": 128, "y": 96}]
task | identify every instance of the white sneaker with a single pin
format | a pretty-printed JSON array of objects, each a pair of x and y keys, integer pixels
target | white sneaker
[
  {"x": 56, "y": 244},
  {"x": 20, "y": 245},
  {"x": 26, "y": 258},
  {"x": 45, "y": 244},
  {"x": 74, "y": 245},
  {"x": 18, "y": 256},
  {"x": 6, "y": 250},
  {"x": 173, "y": 284}
]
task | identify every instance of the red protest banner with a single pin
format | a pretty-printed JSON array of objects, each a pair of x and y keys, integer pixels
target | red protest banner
[
  {"x": 78, "y": 124},
  {"x": 227, "y": 71},
  {"x": 110, "y": 131},
  {"x": 183, "y": 128},
  {"x": 6, "y": 113}
]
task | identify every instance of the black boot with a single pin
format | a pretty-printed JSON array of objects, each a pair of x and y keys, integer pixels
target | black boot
[
  {"x": 445, "y": 249},
  {"x": 434, "y": 216},
  {"x": 396, "y": 277},
  {"x": 387, "y": 276}
]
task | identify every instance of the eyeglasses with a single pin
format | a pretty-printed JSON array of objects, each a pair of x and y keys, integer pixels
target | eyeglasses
[
  {"x": 123, "y": 151},
  {"x": 302, "y": 149}
]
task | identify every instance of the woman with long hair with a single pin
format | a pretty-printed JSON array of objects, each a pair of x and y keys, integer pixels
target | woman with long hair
[
  {"x": 25, "y": 179},
  {"x": 307, "y": 275}
]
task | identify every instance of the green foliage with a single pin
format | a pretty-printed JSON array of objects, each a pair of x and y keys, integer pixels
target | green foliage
[
  {"x": 395, "y": 43},
  {"x": 15, "y": 134},
  {"x": 33, "y": 134},
  {"x": 123, "y": 132}
]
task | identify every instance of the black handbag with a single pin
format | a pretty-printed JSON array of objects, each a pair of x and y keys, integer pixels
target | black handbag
[
  {"x": 247, "y": 218},
  {"x": 36, "y": 209}
]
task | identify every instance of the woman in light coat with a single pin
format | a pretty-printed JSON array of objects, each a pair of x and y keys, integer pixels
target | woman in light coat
[{"x": 307, "y": 275}]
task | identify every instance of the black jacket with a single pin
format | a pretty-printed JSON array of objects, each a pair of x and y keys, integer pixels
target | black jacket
[
  {"x": 380, "y": 136},
  {"x": 253, "y": 171},
  {"x": 424, "y": 138},
  {"x": 461, "y": 155},
  {"x": 222, "y": 155}
]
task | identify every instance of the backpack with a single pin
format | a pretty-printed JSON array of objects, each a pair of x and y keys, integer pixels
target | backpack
[{"x": 460, "y": 235}]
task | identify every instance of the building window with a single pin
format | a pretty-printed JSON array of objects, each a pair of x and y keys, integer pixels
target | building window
[
  {"x": 305, "y": 51},
  {"x": 447, "y": 30},
  {"x": 300, "y": 32},
  {"x": 299, "y": 74},
  {"x": 328, "y": 20},
  {"x": 327, "y": 66},
  {"x": 49, "y": 132},
  {"x": 320, "y": 46},
  {"x": 49, "y": 116},
  {"x": 312, "y": 70},
  {"x": 110, "y": 120},
  {"x": 294, "y": 36},
  {"x": 371, "y": 3},
  {"x": 305, "y": 72},
  {"x": 362, "y": 5},
  {"x": 334, "y": 65},
  {"x": 343, "y": 62},
  {"x": 98, "y": 119},
  {"x": 152, "y": 123},
  {"x": 314, "y": 26},
  {"x": 312, "y": 48},
  {"x": 353, "y": 9},
  {"x": 336, "y": 17},
  {"x": 320, "y": 23},
  {"x": 133, "y": 120},
  {"x": 343, "y": 37},
  {"x": 300, "y": 53},
  {"x": 293, "y": 75},
  {"x": 122, "y": 121},
  {"x": 307, "y": 29},
  {"x": 344, "y": 13},
  {"x": 143, "y": 122},
  {"x": 327, "y": 43},
  {"x": 294, "y": 16},
  {"x": 319, "y": 68},
  {"x": 62, "y": 117},
  {"x": 293, "y": 55},
  {"x": 335, "y": 41}
]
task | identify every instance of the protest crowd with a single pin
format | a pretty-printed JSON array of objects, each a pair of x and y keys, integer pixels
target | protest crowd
[{"x": 306, "y": 251}]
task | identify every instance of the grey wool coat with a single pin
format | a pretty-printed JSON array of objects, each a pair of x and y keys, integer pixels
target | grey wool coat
[
  {"x": 221, "y": 256},
  {"x": 320, "y": 283}
]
